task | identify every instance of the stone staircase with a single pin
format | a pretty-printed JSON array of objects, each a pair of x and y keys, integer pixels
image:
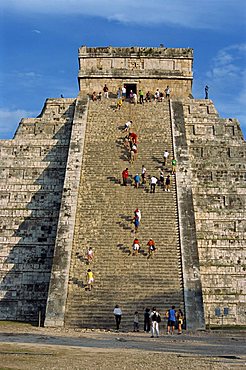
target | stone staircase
[
  {"x": 32, "y": 172},
  {"x": 104, "y": 212}
]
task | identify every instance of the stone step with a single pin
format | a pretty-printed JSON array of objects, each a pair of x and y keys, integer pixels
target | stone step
[{"x": 102, "y": 201}]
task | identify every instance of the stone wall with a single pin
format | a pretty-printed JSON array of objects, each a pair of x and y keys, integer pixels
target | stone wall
[
  {"x": 58, "y": 286},
  {"x": 217, "y": 154},
  {"x": 148, "y": 68},
  {"x": 32, "y": 171}
]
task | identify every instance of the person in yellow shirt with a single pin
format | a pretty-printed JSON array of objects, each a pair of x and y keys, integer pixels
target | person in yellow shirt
[
  {"x": 90, "y": 279},
  {"x": 119, "y": 104}
]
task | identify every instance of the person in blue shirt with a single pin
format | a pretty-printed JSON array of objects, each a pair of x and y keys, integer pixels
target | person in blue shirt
[
  {"x": 171, "y": 320},
  {"x": 137, "y": 180}
]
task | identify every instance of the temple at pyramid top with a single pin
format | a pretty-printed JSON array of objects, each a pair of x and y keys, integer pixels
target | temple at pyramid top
[{"x": 137, "y": 68}]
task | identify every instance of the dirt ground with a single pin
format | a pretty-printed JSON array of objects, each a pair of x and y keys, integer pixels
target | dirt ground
[{"x": 24, "y": 347}]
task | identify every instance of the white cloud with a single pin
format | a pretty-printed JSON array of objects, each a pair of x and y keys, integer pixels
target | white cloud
[
  {"x": 9, "y": 120},
  {"x": 229, "y": 63},
  {"x": 27, "y": 74},
  {"x": 212, "y": 14},
  {"x": 36, "y": 31},
  {"x": 227, "y": 81}
]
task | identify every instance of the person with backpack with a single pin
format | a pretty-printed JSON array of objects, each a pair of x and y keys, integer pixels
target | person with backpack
[{"x": 155, "y": 319}]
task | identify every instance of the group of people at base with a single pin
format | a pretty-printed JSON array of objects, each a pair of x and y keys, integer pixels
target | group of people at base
[{"x": 152, "y": 320}]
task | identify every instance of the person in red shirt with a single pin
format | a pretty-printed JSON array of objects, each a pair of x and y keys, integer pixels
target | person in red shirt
[
  {"x": 151, "y": 248},
  {"x": 125, "y": 176},
  {"x": 135, "y": 247},
  {"x": 133, "y": 137}
]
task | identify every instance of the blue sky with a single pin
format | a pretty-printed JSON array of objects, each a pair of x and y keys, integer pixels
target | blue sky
[{"x": 39, "y": 41}]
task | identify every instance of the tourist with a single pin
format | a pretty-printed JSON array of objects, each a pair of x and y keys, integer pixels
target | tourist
[
  {"x": 147, "y": 320},
  {"x": 119, "y": 104},
  {"x": 168, "y": 92},
  {"x": 135, "y": 151},
  {"x": 133, "y": 137},
  {"x": 127, "y": 126},
  {"x": 165, "y": 156},
  {"x": 105, "y": 90},
  {"x": 180, "y": 319},
  {"x": 135, "y": 247},
  {"x": 153, "y": 182},
  {"x": 132, "y": 156},
  {"x": 131, "y": 96},
  {"x": 117, "y": 314},
  {"x": 127, "y": 142},
  {"x": 137, "y": 213},
  {"x": 161, "y": 178},
  {"x": 90, "y": 279},
  {"x": 151, "y": 248},
  {"x": 99, "y": 96},
  {"x": 90, "y": 255},
  {"x": 94, "y": 96},
  {"x": 171, "y": 320},
  {"x": 143, "y": 174},
  {"x": 206, "y": 91},
  {"x": 119, "y": 93},
  {"x": 167, "y": 183},
  {"x": 135, "y": 98},
  {"x": 141, "y": 96},
  {"x": 124, "y": 92},
  {"x": 155, "y": 319},
  {"x": 174, "y": 162},
  {"x": 136, "y": 223},
  {"x": 148, "y": 97},
  {"x": 125, "y": 175},
  {"x": 157, "y": 95},
  {"x": 136, "y": 180},
  {"x": 136, "y": 322}
]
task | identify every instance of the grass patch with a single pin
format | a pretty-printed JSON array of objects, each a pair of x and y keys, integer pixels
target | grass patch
[{"x": 16, "y": 324}]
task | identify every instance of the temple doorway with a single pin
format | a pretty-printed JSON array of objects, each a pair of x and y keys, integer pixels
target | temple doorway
[{"x": 130, "y": 87}]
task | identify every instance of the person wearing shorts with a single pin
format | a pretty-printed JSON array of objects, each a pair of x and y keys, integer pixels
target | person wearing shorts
[
  {"x": 171, "y": 320},
  {"x": 90, "y": 279}
]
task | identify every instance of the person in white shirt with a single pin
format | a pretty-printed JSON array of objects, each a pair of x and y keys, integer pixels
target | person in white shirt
[
  {"x": 137, "y": 213},
  {"x": 153, "y": 182},
  {"x": 155, "y": 319},
  {"x": 165, "y": 155},
  {"x": 157, "y": 95},
  {"x": 143, "y": 174},
  {"x": 168, "y": 92},
  {"x": 117, "y": 314},
  {"x": 124, "y": 93},
  {"x": 127, "y": 126}
]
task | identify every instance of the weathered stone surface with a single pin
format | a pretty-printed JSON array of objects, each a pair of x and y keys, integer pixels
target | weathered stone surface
[
  {"x": 218, "y": 162},
  {"x": 187, "y": 228},
  {"x": 55, "y": 311},
  {"x": 32, "y": 172},
  {"x": 146, "y": 68}
]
